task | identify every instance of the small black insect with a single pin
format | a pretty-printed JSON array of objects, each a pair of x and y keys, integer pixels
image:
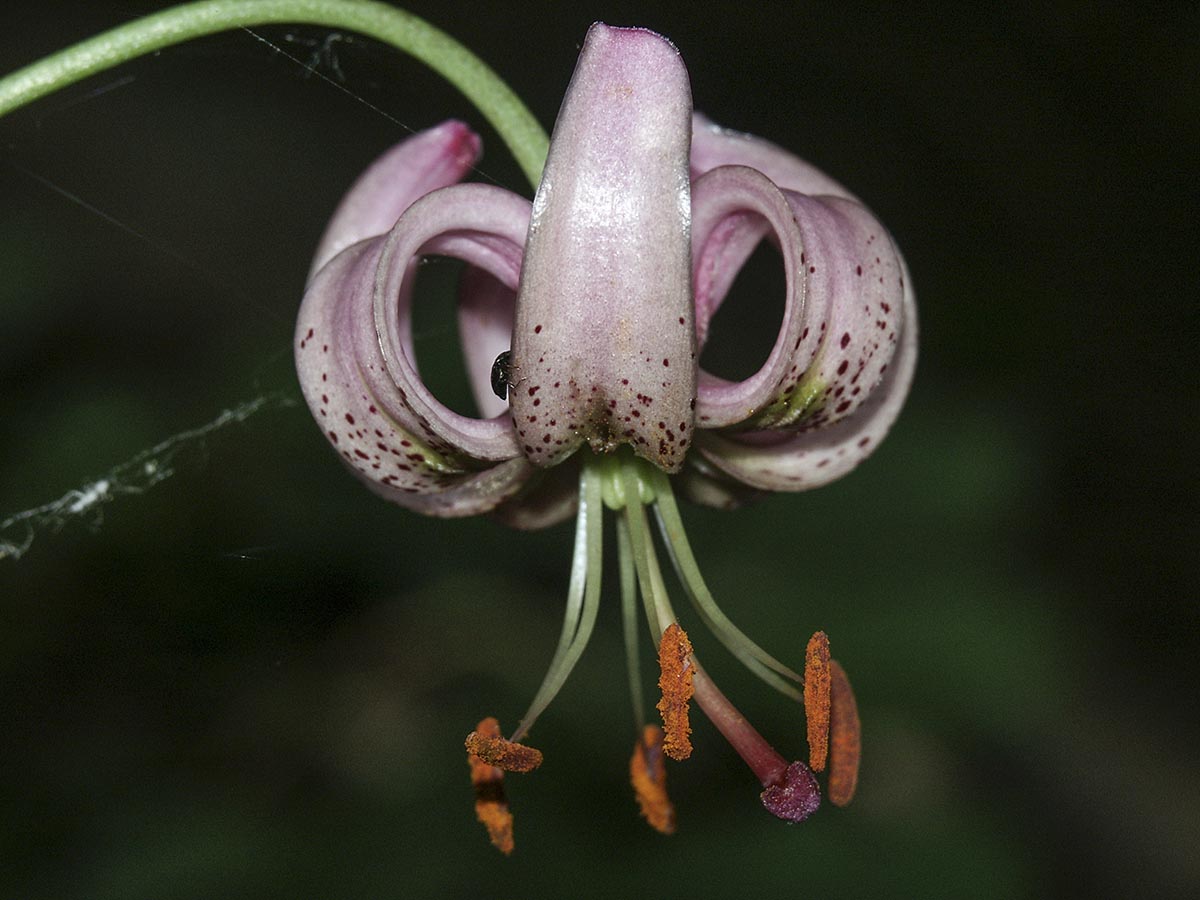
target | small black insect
[{"x": 502, "y": 370}]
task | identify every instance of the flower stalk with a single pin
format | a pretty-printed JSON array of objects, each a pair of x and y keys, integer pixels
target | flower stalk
[{"x": 518, "y": 128}]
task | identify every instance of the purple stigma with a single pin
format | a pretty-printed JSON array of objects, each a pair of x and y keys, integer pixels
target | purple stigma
[{"x": 795, "y": 796}]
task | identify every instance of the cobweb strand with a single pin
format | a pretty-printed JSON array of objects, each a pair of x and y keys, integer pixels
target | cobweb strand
[{"x": 135, "y": 476}]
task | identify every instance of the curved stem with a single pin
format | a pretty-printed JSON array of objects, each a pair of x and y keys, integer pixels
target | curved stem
[{"x": 495, "y": 100}]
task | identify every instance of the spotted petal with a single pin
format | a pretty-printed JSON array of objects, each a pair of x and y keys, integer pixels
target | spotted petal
[
  {"x": 604, "y": 344},
  {"x": 842, "y": 362},
  {"x": 842, "y": 312},
  {"x": 359, "y": 374},
  {"x": 797, "y": 462}
]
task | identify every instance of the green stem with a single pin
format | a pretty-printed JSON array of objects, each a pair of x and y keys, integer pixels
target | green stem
[{"x": 495, "y": 100}]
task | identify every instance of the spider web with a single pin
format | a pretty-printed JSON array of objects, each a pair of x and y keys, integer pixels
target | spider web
[{"x": 135, "y": 476}]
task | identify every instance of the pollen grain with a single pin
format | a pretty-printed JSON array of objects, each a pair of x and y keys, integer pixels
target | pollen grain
[
  {"x": 491, "y": 748},
  {"x": 648, "y": 775},
  {"x": 817, "y": 699},
  {"x": 491, "y": 805},
  {"x": 845, "y": 738},
  {"x": 675, "y": 682}
]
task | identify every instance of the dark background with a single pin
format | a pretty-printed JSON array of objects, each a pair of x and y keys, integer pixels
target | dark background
[{"x": 254, "y": 679}]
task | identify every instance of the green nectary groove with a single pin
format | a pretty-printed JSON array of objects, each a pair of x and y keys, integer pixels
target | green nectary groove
[{"x": 794, "y": 406}]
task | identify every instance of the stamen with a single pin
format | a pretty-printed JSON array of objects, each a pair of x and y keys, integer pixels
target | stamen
[
  {"x": 629, "y": 613},
  {"x": 583, "y": 598},
  {"x": 649, "y": 778},
  {"x": 674, "y": 659},
  {"x": 789, "y": 791},
  {"x": 846, "y": 737},
  {"x": 659, "y": 614},
  {"x": 491, "y": 748},
  {"x": 816, "y": 699},
  {"x": 752, "y": 656},
  {"x": 491, "y": 806}
]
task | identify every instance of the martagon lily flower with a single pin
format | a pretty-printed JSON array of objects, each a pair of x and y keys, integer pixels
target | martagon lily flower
[{"x": 582, "y": 316}]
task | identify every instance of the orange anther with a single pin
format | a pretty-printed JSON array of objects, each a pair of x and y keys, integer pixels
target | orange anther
[
  {"x": 845, "y": 737},
  {"x": 494, "y": 750},
  {"x": 649, "y": 778},
  {"x": 491, "y": 806},
  {"x": 816, "y": 699},
  {"x": 675, "y": 682}
]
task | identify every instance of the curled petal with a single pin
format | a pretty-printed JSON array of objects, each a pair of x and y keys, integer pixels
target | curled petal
[
  {"x": 604, "y": 345},
  {"x": 458, "y": 494},
  {"x": 485, "y": 324},
  {"x": 714, "y": 146},
  {"x": 485, "y": 227},
  {"x": 848, "y": 317},
  {"x": 843, "y": 309},
  {"x": 549, "y": 497},
  {"x": 733, "y": 207},
  {"x": 356, "y": 368},
  {"x": 428, "y": 160},
  {"x": 799, "y": 461},
  {"x": 705, "y": 485}
]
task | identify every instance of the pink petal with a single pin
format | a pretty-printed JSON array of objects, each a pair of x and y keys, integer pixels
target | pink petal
[
  {"x": 426, "y": 161},
  {"x": 714, "y": 146},
  {"x": 604, "y": 345},
  {"x": 485, "y": 325},
  {"x": 799, "y": 461},
  {"x": 357, "y": 372},
  {"x": 843, "y": 311},
  {"x": 549, "y": 497},
  {"x": 733, "y": 207}
]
